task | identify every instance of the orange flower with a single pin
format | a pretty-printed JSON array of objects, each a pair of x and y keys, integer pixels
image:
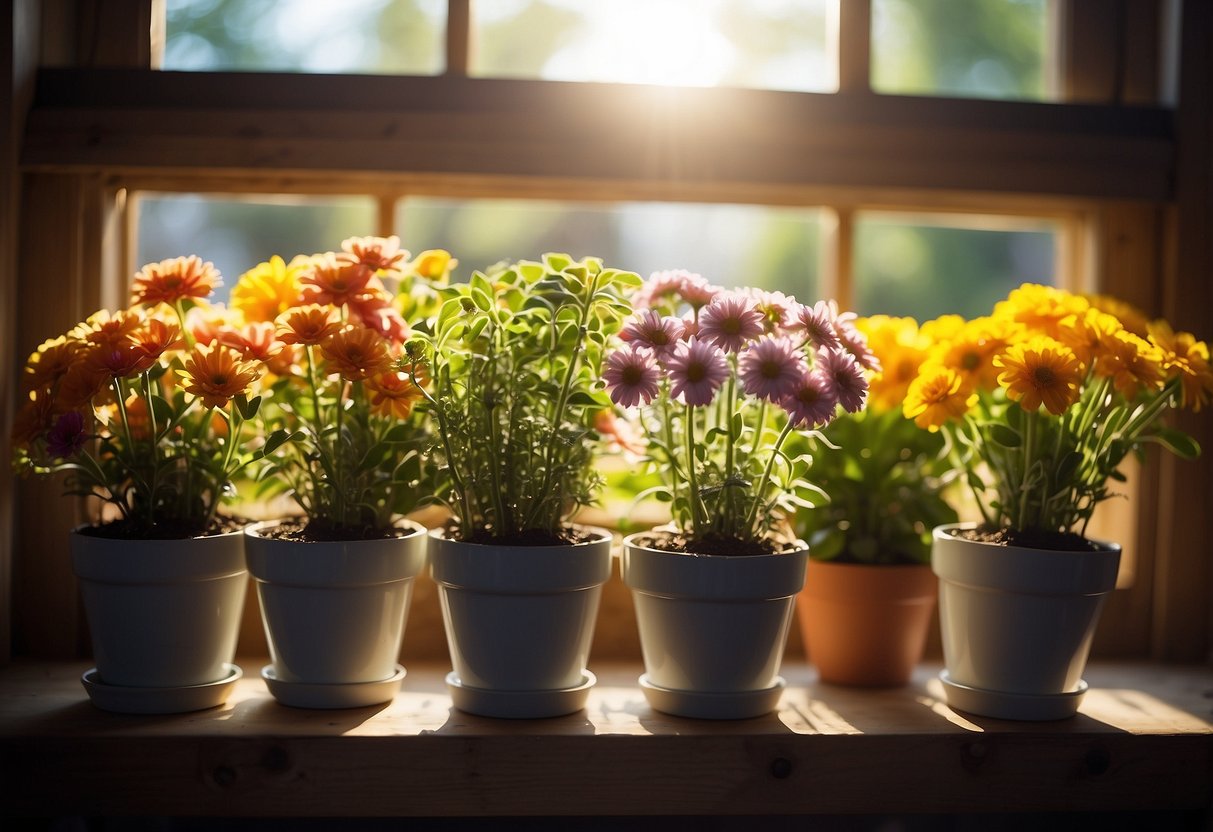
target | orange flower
[
  {"x": 374, "y": 310},
  {"x": 1089, "y": 334},
  {"x": 333, "y": 281},
  {"x": 118, "y": 360},
  {"x": 32, "y": 420},
  {"x": 49, "y": 363},
  {"x": 255, "y": 341},
  {"x": 380, "y": 254},
  {"x": 170, "y": 281},
  {"x": 356, "y": 353},
  {"x": 104, "y": 328},
  {"x": 206, "y": 323},
  {"x": 394, "y": 393},
  {"x": 157, "y": 337},
  {"x": 216, "y": 373},
  {"x": 80, "y": 385},
  {"x": 1132, "y": 363},
  {"x": 308, "y": 325},
  {"x": 938, "y": 395},
  {"x": 137, "y": 421}
]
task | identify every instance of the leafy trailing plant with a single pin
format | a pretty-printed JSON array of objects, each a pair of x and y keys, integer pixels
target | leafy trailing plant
[
  {"x": 143, "y": 409},
  {"x": 1050, "y": 394},
  {"x": 514, "y": 356},
  {"x": 720, "y": 380},
  {"x": 341, "y": 398}
]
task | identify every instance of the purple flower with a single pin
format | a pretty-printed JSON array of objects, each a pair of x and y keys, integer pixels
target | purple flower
[
  {"x": 696, "y": 291},
  {"x": 696, "y": 370},
  {"x": 771, "y": 367},
  {"x": 67, "y": 437},
  {"x": 776, "y": 308},
  {"x": 812, "y": 402},
  {"x": 674, "y": 286},
  {"x": 846, "y": 377},
  {"x": 632, "y": 376},
  {"x": 817, "y": 324},
  {"x": 650, "y": 329},
  {"x": 730, "y": 321}
]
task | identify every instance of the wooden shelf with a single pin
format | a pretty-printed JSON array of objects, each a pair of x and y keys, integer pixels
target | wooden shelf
[{"x": 1142, "y": 741}]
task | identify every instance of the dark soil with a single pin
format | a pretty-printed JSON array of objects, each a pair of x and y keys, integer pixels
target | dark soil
[
  {"x": 125, "y": 530},
  {"x": 1030, "y": 539},
  {"x": 303, "y": 531},
  {"x": 528, "y": 537},
  {"x": 712, "y": 544}
]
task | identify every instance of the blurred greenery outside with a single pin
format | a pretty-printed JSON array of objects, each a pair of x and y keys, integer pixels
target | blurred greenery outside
[{"x": 915, "y": 265}]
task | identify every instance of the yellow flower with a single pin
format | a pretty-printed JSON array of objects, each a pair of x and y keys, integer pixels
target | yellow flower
[
  {"x": 901, "y": 350},
  {"x": 1132, "y": 363},
  {"x": 434, "y": 265},
  {"x": 1040, "y": 308},
  {"x": 170, "y": 281},
  {"x": 1040, "y": 371},
  {"x": 268, "y": 289},
  {"x": 217, "y": 374},
  {"x": 936, "y": 396},
  {"x": 1130, "y": 317},
  {"x": 109, "y": 329},
  {"x": 1187, "y": 358},
  {"x": 356, "y": 353},
  {"x": 50, "y": 362},
  {"x": 943, "y": 327},
  {"x": 1089, "y": 334},
  {"x": 970, "y": 351}
]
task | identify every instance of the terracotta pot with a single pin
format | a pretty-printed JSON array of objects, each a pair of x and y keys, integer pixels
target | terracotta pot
[
  {"x": 866, "y": 624},
  {"x": 1017, "y": 623}
]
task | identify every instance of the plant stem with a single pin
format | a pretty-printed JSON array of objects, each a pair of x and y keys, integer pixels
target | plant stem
[
  {"x": 692, "y": 478},
  {"x": 764, "y": 481}
]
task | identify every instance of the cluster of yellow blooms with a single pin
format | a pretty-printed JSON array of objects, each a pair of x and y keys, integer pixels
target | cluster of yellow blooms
[{"x": 1041, "y": 345}]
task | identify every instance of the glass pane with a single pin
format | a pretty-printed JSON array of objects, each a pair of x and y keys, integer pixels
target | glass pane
[
  {"x": 768, "y": 44},
  {"x": 912, "y": 265},
  {"x": 359, "y": 36},
  {"x": 968, "y": 48},
  {"x": 728, "y": 244},
  {"x": 237, "y": 234}
]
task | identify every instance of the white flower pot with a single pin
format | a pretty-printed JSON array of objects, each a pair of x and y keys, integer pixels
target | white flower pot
[
  {"x": 164, "y": 616},
  {"x": 712, "y": 627},
  {"x": 1017, "y": 623},
  {"x": 334, "y": 614},
  {"x": 519, "y": 621}
]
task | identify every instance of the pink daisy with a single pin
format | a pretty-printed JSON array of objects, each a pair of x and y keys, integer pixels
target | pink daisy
[
  {"x": 817, "y": 324},
  {"x": 696, "y": 370},
  {"x": 771, "y": 367},
  {"x": 660, "y": 286},
  {"x": 812, "y": 402},
  {"x": 775, "y": 308},
  {"x": 846, "y": 376},
  {"x": 651, "y": 329},
  {"x": 632, "y": 376},
  {"x": 855, "y": 342},
  {"x": 690, "y": 326},
  {"x": 696, "y": 291},
  {"x": 730, "y": 321}
]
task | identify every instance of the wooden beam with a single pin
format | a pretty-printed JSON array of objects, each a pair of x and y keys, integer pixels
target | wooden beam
[
  {"x": 1089, "y": 49},
  {"x": 114, "y": 119},
  {"x": 855, "y": 46},
  {"x": 458, "y": 37}
]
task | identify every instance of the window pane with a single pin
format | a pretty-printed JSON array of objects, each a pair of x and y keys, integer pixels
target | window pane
[
  {"x": 237, "y": 234},
  {"x": 728, "y": 244},
  {"x": 925, "y": 267},
  {"x": 770, "y": 44},
  {"x": 969, "y": 48},
  {"x": 359, "y": 36}
]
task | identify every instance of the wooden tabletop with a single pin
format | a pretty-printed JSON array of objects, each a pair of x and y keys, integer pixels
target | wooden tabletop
[{"x": 1143, "y": 740}]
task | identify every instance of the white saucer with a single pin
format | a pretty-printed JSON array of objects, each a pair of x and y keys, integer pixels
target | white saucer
[
  {"x": 129, "y": 700},
  {"x": 708, "y": 705},
  {"x": 1021, "y": 706},
  {"x": 520, "y": 704},
  {"x": 331, "y": 696}
]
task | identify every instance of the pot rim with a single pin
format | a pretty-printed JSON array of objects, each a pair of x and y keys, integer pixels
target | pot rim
[
  {"x": 948, "y": 531},
  {"x": 601, "y": 534},
  {"x": 629, "y": 541},
  {"x": 254, "y": 530}
]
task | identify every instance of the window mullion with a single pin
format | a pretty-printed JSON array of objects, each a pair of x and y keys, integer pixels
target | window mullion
[
  {"x": 855, "y": 46},
  {"x": 458, "y": 37}
]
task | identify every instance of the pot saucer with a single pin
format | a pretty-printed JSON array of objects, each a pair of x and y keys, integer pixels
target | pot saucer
[
  {"x": 519, "y": 704},
  {"x": 332, "y": 696},
  {"x": 1020, "y": 706},
  {"x": 708, "y": 705},
  {"x": 177, "y": 700}
]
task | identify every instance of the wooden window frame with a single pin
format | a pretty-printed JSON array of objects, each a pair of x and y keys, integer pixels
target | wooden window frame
[{"x": 1127, "y": 178}]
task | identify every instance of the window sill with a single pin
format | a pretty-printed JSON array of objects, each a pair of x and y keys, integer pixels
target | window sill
[{"x": 1142, "y": 741}]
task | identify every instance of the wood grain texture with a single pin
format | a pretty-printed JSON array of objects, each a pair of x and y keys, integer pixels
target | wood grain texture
[
  {"x": 1143, "y": 740},
  {"x": 127, "y": 119}
]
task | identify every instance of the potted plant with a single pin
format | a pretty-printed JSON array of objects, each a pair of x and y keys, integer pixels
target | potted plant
[
  {"x": 513, "y": 357},
  {"x": 719, "y": 392},
  {"x": 150, "y": 418},
  {"x": 869, "y": 592},
  {"x": 335, "y": 583},
  {"x": 1041, "y": 402}
]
